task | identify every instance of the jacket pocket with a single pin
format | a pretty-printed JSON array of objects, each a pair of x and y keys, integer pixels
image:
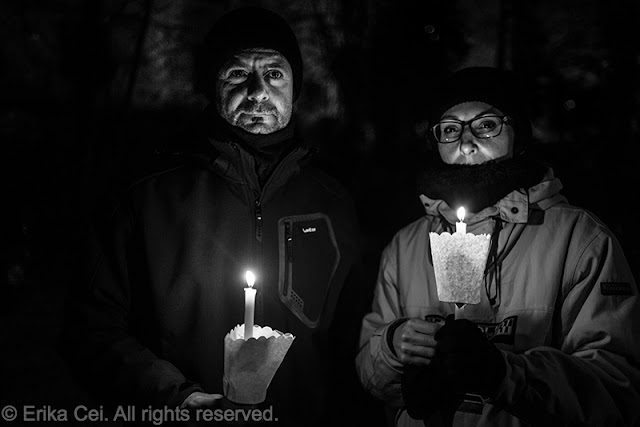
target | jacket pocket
[{"x": 309, "y": 258}]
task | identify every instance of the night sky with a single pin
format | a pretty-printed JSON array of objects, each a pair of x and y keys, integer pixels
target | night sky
[{"x": 90, "y": 90}]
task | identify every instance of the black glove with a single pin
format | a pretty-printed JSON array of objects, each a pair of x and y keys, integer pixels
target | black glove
[
  {"x": 472, "y": 364},
  {"x": 428, "y": 395}
]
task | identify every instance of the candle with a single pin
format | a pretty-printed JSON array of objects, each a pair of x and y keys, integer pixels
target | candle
[
  {"x": 249, "y": 304},
  {"x": 461, "y": 227}
]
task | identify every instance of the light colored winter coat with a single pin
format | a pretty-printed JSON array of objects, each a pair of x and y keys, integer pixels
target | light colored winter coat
[{"x": 567, "y": 320}]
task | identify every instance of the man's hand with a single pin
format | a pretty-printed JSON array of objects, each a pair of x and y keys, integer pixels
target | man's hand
[
  {"x": 414, "y": 341},
  {"x": 198, "y": 399}
]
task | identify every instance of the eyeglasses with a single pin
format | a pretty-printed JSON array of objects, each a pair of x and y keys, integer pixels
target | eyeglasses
[{"x": 448, "y": 131}]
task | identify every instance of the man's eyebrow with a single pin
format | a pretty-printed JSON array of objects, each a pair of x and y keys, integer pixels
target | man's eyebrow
[
  {"x": 274, "y": 62},
  {"x": 234, "y": 62}
]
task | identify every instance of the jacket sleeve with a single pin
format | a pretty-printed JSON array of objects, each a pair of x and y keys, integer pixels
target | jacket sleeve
[
  {"x": 98, "y": 342},
  {"x": 591, "y": 373},
  {"x": 378, "y": 368}
]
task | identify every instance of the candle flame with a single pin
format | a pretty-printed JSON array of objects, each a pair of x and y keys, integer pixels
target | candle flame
[
  {"x": 250, "y": 277},
  {"x": 461, "y": 213}
]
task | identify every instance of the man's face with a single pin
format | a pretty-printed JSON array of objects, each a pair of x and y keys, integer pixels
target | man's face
[
  {"x": 254, "y": 91},
  {"x": 472, "y": 150}
]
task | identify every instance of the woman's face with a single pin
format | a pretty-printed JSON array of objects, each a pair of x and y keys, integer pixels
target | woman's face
[{"x": 470, "y": 149}]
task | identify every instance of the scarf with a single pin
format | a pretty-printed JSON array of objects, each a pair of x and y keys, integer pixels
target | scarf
[{"x": 479, "y": 186}]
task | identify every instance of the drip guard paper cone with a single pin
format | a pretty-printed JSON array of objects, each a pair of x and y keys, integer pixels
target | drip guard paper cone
[
  {"x": 249, "y": 365},
  {"x": 459, "y": 261}
]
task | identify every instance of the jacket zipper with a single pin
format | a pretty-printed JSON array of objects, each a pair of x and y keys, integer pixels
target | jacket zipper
[
  {"x": 258, "y": 195},
  {"x": 257, "y": 198},
  {"x": 257, "y": 204}
]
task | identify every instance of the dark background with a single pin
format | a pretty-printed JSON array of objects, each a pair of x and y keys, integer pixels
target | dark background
[{"x": 90, "y": 88}]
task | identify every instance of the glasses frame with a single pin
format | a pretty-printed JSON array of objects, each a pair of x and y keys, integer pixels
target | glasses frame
[{"x": 503, "y": 120}]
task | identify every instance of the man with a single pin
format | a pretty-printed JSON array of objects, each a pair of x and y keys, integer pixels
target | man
[
  {"x": 554, "y": 339},
  {"x": 167, "y": 276}
]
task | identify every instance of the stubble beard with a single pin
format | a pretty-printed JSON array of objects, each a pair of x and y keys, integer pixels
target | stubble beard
[{"x": 255, "y": 118}]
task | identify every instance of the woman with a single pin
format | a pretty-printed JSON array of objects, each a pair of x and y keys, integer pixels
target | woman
[{"x": 554, "y": 337}]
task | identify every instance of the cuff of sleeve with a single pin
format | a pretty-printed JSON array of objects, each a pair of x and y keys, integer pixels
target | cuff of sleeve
[
  {"x": 185, "y": 389},
  {"x": 389, "y": 334}
]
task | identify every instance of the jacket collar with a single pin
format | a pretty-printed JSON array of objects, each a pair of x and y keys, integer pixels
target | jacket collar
[{"x": 236, "y": 164}]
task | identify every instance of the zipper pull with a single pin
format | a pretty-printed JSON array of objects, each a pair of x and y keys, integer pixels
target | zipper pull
[
  {"x": 258, "y": 212},
  {"x": 289, "y": 241}
]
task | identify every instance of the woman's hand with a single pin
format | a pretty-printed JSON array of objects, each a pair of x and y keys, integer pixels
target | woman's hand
[{"x": 414, "y": 341}]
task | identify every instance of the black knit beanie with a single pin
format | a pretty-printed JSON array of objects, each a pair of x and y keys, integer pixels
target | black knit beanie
[
  {"x": 246, "y": 28},
  {"x": 500, "y": 88}
]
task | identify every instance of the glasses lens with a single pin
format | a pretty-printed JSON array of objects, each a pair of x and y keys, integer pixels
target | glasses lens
[
  {"x": 447, "y": 131},
  {"x": 486, "y": 127}
]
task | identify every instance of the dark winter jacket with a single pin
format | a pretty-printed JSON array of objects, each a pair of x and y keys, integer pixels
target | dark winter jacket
[{"x": 167, "y": 282}]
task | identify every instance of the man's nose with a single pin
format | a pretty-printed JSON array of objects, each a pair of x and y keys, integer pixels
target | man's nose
[
  {"x": 468, "y": 144},
  {"x": 257, "y": 89}
]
